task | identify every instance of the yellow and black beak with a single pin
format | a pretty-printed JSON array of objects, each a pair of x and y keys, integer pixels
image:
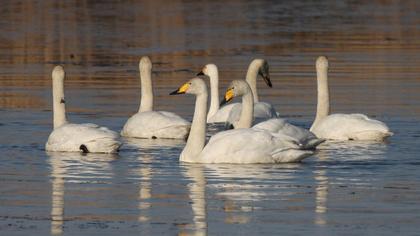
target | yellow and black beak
[
  {"x": 181, "y": 90},
  {"x": 228, "y": 96}
]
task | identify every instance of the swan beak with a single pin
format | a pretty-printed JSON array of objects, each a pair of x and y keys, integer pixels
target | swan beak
[
  {"x": 200, "y": 73},
  {"x": 228, "y": 96},
  {"x": 266, "y": 77},
  {"x": 181, "y": 89}
]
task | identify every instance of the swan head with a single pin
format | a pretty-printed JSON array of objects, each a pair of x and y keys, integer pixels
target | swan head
[
  {"x": 145, "y": 63},
  {"x": 322, "y": 62},
  {"x": 263, "y": 70},
  {"x": 194, "y": 86},
  {"x": 235, "y": 89},
  {"x": 58, "y": 72},
  {"x": 209, "y": 70}
]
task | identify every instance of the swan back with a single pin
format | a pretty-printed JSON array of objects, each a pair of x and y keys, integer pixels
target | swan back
[
  {"x": 245, "y": 146},
  {"x": 351, "y": 127},
  {"x": 83, "y": 137}
]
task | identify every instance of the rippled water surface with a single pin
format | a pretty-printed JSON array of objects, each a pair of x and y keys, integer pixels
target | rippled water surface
[{"x": 345, "y": 189}]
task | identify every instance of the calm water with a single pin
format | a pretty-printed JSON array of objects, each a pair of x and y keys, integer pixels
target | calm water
[{"x": 346, "y": 188}]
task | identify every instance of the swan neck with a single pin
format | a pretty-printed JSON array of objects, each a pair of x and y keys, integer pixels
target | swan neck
[
  {"x": 59, "y": 107},
  {"x": 146, "y": 99},
  {"x": 251, "y": 78},
  {"x": 214, "y": 94},
  {"x": 247, "y": 112},
  {"x": 323, "y": 104},
  {"x": 197, "y": 137}
]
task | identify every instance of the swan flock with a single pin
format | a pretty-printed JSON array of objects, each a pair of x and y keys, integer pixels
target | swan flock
[{"x": 256, "y": 133}]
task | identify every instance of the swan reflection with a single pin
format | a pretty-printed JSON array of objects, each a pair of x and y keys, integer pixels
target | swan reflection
[
  {"x": 197, "y": 194},
  {"x": 71, "y": 165},
  {"x": 321, "y": 191},
  {"x": 145, "y": 173}
]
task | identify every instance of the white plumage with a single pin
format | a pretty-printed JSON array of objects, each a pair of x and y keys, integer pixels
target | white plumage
[
  {"x": 304, "y": 138},
  {"x": 156, "y": 124},
  {"x": 247, "y": 146},
  {"x": 342, "y": 126},
  {"x": 72, "y": 138},
  {"x": 153, "y": 124},
  {"x": 234, "y": 146},
  {"x": 351, "y": 127},
  {"x": 67, "y": 137},
  {"x": 230, "y": 113}
]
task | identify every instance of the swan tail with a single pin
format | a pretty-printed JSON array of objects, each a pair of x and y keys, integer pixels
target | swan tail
[
  {"x": 371, "y": 135},
  {"x": 290, "y": 155},
  {"x": 104, "y": 145},
  {"x": 313, "y": 143}
]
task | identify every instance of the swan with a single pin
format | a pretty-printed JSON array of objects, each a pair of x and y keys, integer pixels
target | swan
[
  {"x": 305, "y": 138},
  {"x": 262, "y": 110},
  {"x": 231, "y": 112},
  {"x": 67, "y": 137},
  {"x": 147, "y": 123},
  {"x": 342, "y": 126},
  {"x": 216, "y": 113},
  {"x": 233, "y": 146}
]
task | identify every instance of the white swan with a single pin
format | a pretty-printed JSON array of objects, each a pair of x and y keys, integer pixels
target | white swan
[
  {"x": 153, "y": 124},
  {"x": 233, "y": 146},
  {"x": 303, "y": 137},
  {"x": 232, "y": 111},
  {"x": 342, "y": 126},
  {"x": 68, "y": 137},
  {"x": 216, "y": 113},
  {"x": 262, "y": 110}
]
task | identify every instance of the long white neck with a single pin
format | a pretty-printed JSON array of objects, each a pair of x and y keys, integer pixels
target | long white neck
[
  {"x": 247, "y": 112},
  {"x": 323, "y": 104},
  {"x": 59, "y": 107},
  {"x": 197, "y": 137},
  {"x": 146, "y": 99},
  {"x": 251, "y": 78},
  {"x": 214, "y": 93}
]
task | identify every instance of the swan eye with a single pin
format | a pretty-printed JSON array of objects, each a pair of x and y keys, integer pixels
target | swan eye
[{"x": 62, "y": 100}]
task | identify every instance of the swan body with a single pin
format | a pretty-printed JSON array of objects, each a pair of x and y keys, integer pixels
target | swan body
[
  {"x": 230, "y": 113},
  {"x": 304, "y": 138},
  {"x": 67, "y": 137},
  {"x": 342, "y": 126},
  {"x": 351, "y": 127},
  {"x": 156, "y": 124},
  {"x": 247, "y": 146},
  {"x": 153, "y": 124},
  {"x": 83, "y": 137},
  {"x": 238, "y": 146},
  {"x": 262, "y": 110}
]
